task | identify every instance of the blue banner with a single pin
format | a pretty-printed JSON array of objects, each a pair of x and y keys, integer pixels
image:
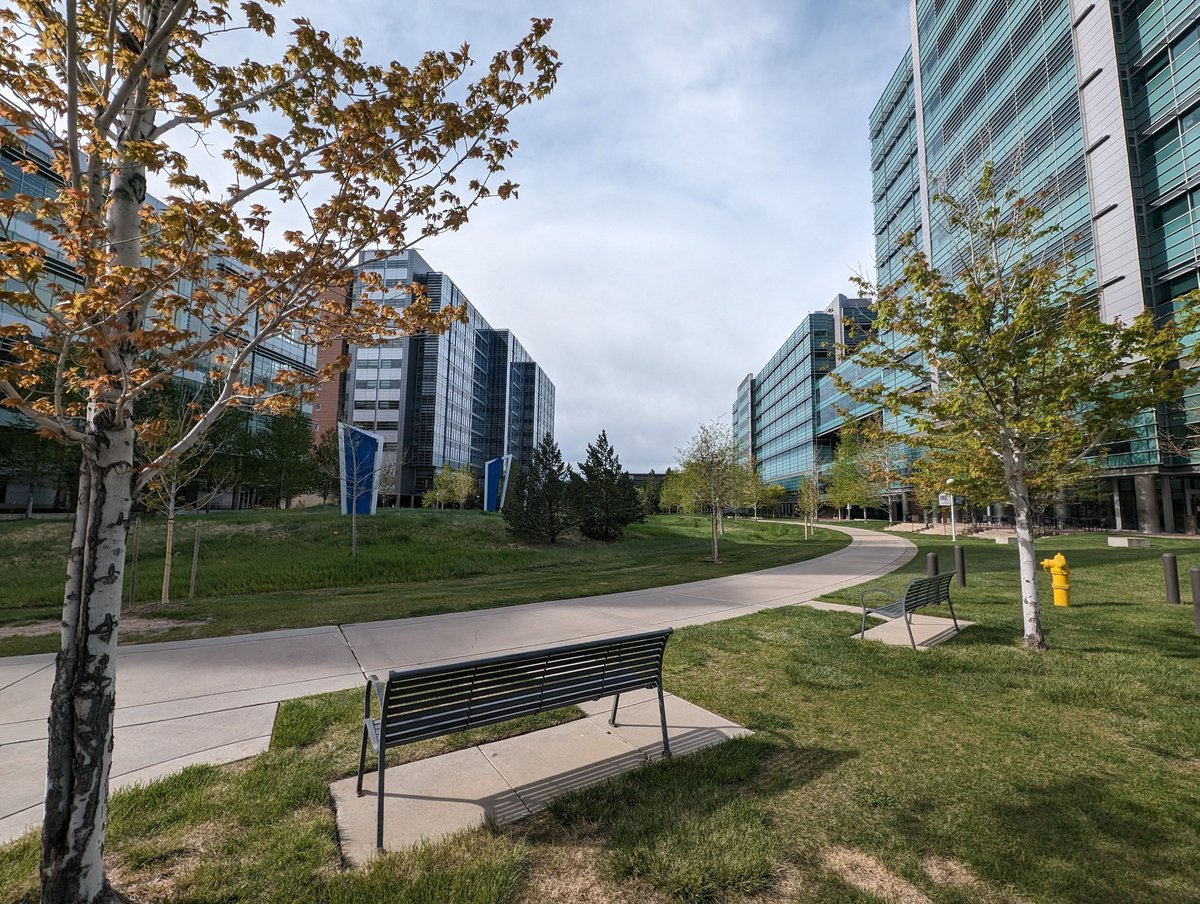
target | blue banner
[
  {"x": 359, "y": 454},
  {"x": 495, "y": 483}
]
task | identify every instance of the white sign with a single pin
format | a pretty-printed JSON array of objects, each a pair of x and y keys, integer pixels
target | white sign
[{"x": 945, "y": 499}]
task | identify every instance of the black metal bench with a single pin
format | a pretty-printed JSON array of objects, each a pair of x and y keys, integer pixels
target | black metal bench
[
  {"x": 428, "y": 702},
  {"x": 921, "y": 592}
]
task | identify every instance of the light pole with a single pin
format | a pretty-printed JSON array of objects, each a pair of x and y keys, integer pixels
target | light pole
[{"x": 953, "y": 532}]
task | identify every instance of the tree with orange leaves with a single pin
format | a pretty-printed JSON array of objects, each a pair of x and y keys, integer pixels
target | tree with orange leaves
[{"x": 325, "y": 156}]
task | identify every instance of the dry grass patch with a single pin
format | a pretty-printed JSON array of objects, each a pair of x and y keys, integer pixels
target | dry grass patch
[
  {"x": 952, "y": 874},
  {"x": 870, "y": 875},
  {"x": 570, "y": 873}
]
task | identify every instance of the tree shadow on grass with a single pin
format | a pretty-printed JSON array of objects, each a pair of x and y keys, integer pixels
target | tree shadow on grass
[
  {"x": 696, "y": 827},
  {"x": 1073, "y": 839}
]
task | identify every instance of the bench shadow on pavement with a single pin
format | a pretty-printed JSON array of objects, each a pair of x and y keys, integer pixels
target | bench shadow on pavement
[{"x": 537, "y": 795}]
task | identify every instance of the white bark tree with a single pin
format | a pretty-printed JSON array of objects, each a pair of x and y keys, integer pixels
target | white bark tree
[
  {"x": 1014, "y": 380},
  {"x": 351, "y": 155}
]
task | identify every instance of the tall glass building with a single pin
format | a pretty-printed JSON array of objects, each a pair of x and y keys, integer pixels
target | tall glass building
[
  {"x": 782, "y": 414},
  {"x": 460, "y": 398},
  {"x": 1094, "y": 108}
]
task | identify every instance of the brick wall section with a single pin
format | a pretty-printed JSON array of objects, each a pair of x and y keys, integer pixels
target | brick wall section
[{"x": 327, "y": 403}]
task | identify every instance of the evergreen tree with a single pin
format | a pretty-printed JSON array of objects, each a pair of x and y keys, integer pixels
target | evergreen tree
[
  {"x": 538, "y": 503},
  {"x": 650, "y": 494},
  {"x": 606, "y": 498},
  {"x": 281, "y": 462},
  {"x": 326, "y": 465}
]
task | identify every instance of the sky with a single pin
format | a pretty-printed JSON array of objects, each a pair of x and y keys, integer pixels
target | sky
[{"x": 697, "y": 182}]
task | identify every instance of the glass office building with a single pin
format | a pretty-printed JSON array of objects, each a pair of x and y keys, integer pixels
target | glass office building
[
  {"x": 26, "y": 169},
  {"x": 1094, "y": 108},
  {"x": 460, "y": 398}
]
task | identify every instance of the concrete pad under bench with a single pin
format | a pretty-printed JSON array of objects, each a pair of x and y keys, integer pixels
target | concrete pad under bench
[
  {"x": 506, "y": 780},
  {"x": 1129, "y": 542},
  {"x": 928, "y": 630},
  {"x": 1007, "y": 541}
]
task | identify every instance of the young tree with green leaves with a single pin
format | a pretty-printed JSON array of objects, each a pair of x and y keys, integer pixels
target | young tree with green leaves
[
  {"x": 606, "y": 500},
  {"x": 1014, "y": 377},
  {"x": 538, "y": 503},
  {"x": 451, "y": 486},
  {"x": 847, "y": 484},
  {"x": 881, "y": 462},
  {"x": 711, "y": 465},
  {"x": 754, "y": 492},
  {"x": 808, "y": 503},
  {"x": 322, "y": 156},
  {"x": 678, "y": 493}
]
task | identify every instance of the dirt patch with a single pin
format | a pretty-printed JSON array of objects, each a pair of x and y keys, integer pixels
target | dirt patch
[
  {"x": 130, "y": 624},
  {"x": 871, "y": 876},
  {"x": 952, "y": 874},
  {"x": 570, "y": 874}
]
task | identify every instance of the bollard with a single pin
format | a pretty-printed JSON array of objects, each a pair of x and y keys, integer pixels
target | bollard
[
  {"x": 1194, "y": 574},
  {"x": 960, "y": 565},
  {"x": 1171, "y": 575},
  {"x": 931, "y": 564}
]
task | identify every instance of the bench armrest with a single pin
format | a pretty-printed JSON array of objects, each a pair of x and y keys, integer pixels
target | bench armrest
[
  {"x": 862, "y": 597},
  {"x": 373, "y": 682}
]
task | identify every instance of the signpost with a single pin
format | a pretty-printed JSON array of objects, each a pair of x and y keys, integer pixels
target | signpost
[{"x": 951, "y": 500}]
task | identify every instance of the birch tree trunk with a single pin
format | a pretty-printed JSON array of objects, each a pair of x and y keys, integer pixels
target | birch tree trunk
[
  {"x": 84, "y": 693},
  {"x": 83, "y": 696},
  {"x": 1031, "y": 608}
]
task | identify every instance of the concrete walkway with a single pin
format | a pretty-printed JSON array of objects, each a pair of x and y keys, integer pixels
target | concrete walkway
[{"x": 214, "y": 700}]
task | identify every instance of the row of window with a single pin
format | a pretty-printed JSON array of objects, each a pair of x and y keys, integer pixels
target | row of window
[
  {"x": 378, "y": 384},
  {"x": 1175, "y": 230},
  {"x": 1170, "y": 79}
]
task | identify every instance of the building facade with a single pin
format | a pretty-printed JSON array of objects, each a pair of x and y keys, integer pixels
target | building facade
[
  {"x": 460, "y": 398},
  {"x": 1093, "y": 108},
  {"x": 279, "y": 352}
]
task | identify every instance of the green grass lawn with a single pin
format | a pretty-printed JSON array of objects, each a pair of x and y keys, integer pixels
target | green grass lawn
[
  {"x": 266, "y": 570},
  {"x": 975, "y": 772}
]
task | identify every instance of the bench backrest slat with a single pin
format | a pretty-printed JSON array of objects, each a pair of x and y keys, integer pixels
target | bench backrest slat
[
  {"x": 431, "y": 701},
  {"x": 928, "y": 591}
]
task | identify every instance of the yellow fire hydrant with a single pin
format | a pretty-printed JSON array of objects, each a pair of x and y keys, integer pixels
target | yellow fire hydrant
[{"x": 1058, "y": 571}]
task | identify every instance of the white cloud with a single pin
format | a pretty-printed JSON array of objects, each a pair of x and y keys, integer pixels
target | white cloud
[{"x": 696, "y": 183}]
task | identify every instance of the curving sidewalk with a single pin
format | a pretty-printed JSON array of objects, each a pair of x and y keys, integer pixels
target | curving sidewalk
[{"x": 214, "y": 700}]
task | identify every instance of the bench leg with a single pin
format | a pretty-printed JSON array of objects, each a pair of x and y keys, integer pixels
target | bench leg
[
  {"x": 612, "y": 720},
  {"x": 952, "y": 615},
  {"x": 862, "y": 630},
  {"x": 908, "y": 624},
  {"x": 379, "y": 810},
  {"x": 362, "y": 760},
  {"x": 662, "y": 712}
]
